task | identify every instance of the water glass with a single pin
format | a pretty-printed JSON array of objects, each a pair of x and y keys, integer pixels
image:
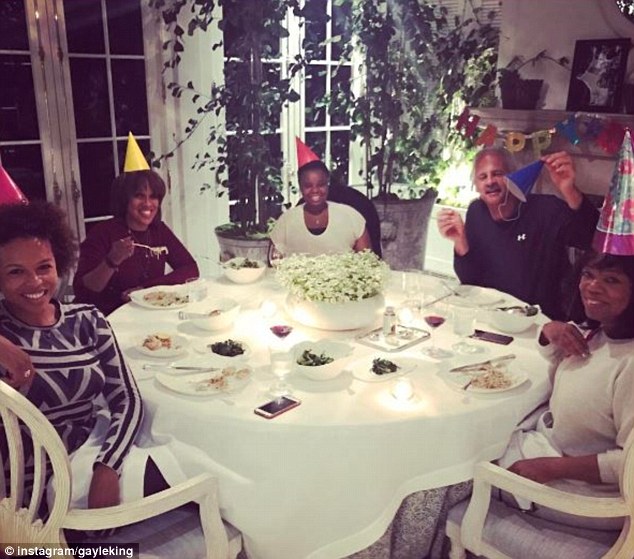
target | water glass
[
  {"x": 281, "y": 365},
  {"x": 411, "y": 283},
  {"x": 463, "y": 326},
  {"x": 196, "y": 289}
]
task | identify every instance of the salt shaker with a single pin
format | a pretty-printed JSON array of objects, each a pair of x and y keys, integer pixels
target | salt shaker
[{"x": 389, "y": 322}]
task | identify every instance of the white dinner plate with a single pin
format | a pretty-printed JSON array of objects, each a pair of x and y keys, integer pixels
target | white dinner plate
[
  {"x": 178, "y": 346},
  {"x": 204, "y": 347},
  {"x": 224, "y": 381},
  {"x": 161, "y": 297},
  {"x": 513, "y": 372},
  {"x": 362, "y": 369},
  {"x": 475, "y": 296}
]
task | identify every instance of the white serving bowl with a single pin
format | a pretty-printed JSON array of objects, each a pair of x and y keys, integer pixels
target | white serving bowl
[
  {"x": 511, "y": 322},
  {"x": 243, "y": 275},
  {"x": 338, "y": 351},
  {"x": 229, "y": 312}
]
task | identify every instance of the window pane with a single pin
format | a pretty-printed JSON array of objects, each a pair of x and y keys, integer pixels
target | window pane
[
  {"x": 90, "y": 97},
  {"x": 125, "y": 30},
  {"x": 235, "y": 73},
  {"x": 13, "y": 33},
  {"x": 315, "y": 89},
  {"x": 237, "y": 22},
  {"x": 341, "y": 26},
  {"x": 339, "y": 157},
  {"x": 130, "y": 101},
  {"x": 340, "y": 94},
  {"x": 271, "y": 111},
  {"x": 317, "y": 142},
  {"x": 316, "y": 18},
  {"x": 24, "y": 165},
  {"x": 84, "y": 27},
  {"x": 96, "y": 167},
  {"x": 18, "y": 115}
]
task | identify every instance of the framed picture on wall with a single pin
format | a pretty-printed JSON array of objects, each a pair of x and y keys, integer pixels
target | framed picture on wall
[{"x": 598, "y": 69}]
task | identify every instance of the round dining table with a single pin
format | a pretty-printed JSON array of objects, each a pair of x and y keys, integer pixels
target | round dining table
[{"x": 325, "y": 479}]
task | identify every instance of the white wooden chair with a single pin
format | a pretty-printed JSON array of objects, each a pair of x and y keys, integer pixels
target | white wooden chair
[
  {"x": 492, "y": 529},
  {"x": 168, "y": 529}
]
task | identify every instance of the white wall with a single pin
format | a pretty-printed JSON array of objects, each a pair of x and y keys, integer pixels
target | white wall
[{"x": 530, "y": 26}]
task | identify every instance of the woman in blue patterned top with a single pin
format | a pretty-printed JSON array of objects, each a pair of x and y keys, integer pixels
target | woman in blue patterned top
[{"x": 71, "y": 357}]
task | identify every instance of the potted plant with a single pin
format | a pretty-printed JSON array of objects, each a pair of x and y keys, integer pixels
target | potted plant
[
  {"x": 419, "y": 70},
  {"x": 521, "y": 93},
  {"x": 251, "y": 99}
]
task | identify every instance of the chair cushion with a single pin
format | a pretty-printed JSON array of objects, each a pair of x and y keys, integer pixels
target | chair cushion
[
  {"x": 176, "y": 533},
  {"x": 522, "y": 536}
]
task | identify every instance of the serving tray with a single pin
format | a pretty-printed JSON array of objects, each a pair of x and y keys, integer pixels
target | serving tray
[{"x": 405, "y": 337}]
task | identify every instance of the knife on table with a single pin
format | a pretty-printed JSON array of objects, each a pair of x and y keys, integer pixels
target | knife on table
[
  {"x": 150, "y": 366},
  {"x": 476, "y": 366}
]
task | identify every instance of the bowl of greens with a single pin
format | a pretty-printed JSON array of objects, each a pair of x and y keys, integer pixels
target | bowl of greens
[
  {"x": 320, "y": 360},
  {"x": 243, "y": 270}
]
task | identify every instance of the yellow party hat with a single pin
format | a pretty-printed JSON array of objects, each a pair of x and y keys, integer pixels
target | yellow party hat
[{"x": 134, "y": 160}]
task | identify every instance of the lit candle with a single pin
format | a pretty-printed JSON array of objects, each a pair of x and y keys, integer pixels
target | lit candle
[
  {"x": 405, "y": 316},
  {"x": 403, "y": 389}
]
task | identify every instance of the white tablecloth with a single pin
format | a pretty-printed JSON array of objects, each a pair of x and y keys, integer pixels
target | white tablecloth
[{"x": 325, "y": 479}]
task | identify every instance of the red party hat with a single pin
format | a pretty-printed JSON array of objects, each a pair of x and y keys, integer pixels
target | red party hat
[
  {"x": 10, "y": 193},
  {"x": 304, "y": 153},
  {"x": 615, "y": 230}
]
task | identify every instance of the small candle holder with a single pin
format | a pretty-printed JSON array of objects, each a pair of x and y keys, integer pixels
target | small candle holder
[{"x": 403, "y": 389}]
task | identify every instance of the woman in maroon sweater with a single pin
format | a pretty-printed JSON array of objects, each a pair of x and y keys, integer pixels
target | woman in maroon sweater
[{"x": 111, "y": 262}]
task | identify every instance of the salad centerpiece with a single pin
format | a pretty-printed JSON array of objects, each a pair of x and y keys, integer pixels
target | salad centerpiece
[{"x": 334, "y": 291}]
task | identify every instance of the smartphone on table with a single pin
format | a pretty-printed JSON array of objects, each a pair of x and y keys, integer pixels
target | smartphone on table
[
  {"x": 276, "y": 407},
  {"x": 491, "y": 337}
]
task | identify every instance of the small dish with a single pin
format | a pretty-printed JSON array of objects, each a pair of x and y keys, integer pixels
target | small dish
[
  {"x": 362, "y": 369},
  {"x": 163, "y": 345},
  {"x": 227, "y": 380},
  {"x": 474, "y": 296},
  {"x": 161, "y": 297},
  {"x": 465, "y": 381},
  {"x": 235, "y": 271},
  {"x": 336, "y": 350},
  {"x": 205, "y": 347},
  {"x": 221, "y": 314},
  {"x": 511, "y": 321}
]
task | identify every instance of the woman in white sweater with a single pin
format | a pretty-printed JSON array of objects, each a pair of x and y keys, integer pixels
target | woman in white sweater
[{"x": 578, "y": 442}]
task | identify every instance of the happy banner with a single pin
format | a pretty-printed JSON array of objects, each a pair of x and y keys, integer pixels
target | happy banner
[{"x": 606, "y": 133}]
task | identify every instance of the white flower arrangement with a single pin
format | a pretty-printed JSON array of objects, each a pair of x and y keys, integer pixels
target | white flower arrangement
[{"x": 333, "y": 278}]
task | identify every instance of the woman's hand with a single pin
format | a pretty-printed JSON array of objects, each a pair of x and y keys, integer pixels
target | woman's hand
[
  {"x": 125, "y": 296},
  {"x": 20, "y": 370},
  {"x": 451, "y": 226},
  {"x": 567, "y": 338},
  {"x": 541, "y": 470},
  {"x": 121, "y": 250},
  {"x": 104, "y": 488}
]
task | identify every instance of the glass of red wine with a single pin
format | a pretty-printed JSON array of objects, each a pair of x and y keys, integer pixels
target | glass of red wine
[
  {"x": 281, "y": 330},
  {"x": 433, "y": 351}
]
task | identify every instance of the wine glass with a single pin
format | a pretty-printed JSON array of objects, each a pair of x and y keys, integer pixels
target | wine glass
[
  {"x": 434, "y": 320},
  {"x": 280, "y": 359},
  {"x": 411, "y": 283},
  {"x": 463, "y": 326},
  {"x": 275, "y": 257}
]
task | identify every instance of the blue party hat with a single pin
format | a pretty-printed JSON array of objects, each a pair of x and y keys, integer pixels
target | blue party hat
[{"x": 521, "y": 182}]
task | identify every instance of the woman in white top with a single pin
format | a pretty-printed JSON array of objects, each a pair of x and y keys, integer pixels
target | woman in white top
[
  {"x": 319, "y": 226},
  {"x": 578, "y": 443}
]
